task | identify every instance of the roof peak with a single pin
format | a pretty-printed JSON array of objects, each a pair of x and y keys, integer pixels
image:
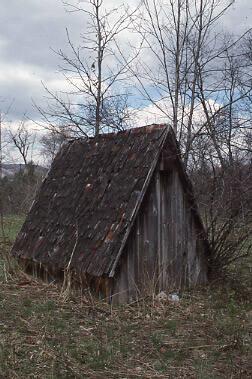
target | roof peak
[{"x": 137, "y": 130}]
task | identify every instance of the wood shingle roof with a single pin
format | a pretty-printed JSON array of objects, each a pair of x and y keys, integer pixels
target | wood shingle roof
[{"x": 88, "y": 201}]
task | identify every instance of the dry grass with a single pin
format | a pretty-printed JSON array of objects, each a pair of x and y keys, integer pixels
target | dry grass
[{"x": 45, "y": 335}]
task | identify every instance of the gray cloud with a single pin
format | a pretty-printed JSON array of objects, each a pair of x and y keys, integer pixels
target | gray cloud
[
  {"x": 30, "y": 28},
  {"x": 239, "y": 17}
]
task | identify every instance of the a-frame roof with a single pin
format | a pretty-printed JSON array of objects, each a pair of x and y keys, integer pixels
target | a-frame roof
[{"x": 86, "y": 205}]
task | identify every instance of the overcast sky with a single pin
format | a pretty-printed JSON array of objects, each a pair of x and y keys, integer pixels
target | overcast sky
[{"x": 29, "y": 29}]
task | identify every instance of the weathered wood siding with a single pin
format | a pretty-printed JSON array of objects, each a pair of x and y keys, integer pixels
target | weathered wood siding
[{"x": 165, "y": 249}]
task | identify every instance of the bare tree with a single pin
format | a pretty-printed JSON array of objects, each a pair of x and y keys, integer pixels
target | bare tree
[
  {"x": 50, "y": 145},
  {"x": 224, "y": 197},
  {"x": 97, "y": 98},
  {"x": 3, "y": 116},
  {"x": 190, "y": 55},
  {"x": 23, "y": 140}
]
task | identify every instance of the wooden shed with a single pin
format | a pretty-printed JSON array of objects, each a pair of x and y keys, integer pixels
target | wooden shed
[{"x": 118, "y": 210}]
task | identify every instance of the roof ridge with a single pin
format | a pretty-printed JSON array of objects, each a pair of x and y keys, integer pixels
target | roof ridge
[{"x": 136, "y": 130}]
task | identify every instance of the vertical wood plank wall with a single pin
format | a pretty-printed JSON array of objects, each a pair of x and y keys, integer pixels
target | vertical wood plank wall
[{"x": 164, "y": 249}]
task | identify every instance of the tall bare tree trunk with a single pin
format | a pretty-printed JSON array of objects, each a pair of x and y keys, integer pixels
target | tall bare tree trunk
[
  {"x": 99, "y": 68},
  {"x": 177, "y": 71}
]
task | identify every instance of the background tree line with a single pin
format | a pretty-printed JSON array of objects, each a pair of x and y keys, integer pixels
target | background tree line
[{"x": 19, "y": 175}]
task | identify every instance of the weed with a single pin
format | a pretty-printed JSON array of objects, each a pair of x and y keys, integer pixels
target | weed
[
  {"x": 203, "y": 369},
  {"x": 157, "y": 339},
  {"x": 171, "y": 325}
]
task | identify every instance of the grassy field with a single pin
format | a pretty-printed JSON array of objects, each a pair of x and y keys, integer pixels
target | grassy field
[
  {"x": 43, "y": 334},
  {"x": 12, "y": 225}
]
